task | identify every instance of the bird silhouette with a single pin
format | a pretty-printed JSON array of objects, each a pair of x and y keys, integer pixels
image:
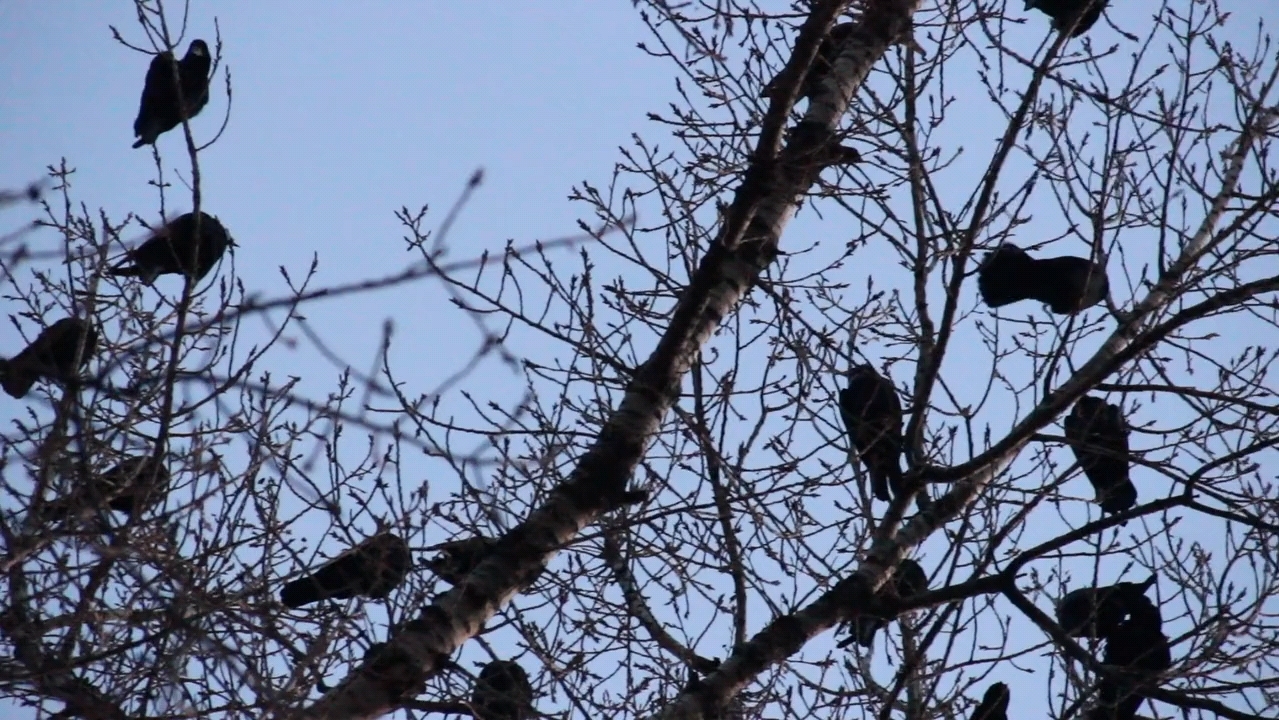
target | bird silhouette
[
  {"x": 502, "y": 692},
  {"x": 371, "y": 569},
  {"x": 1097, "y": 612},
  {"x": 909, "y": 579},
  {"x": 161, "y": 108},
  {"x": 872, "y": 415},
  {"x": 1139, "y": 649},
  {"x": 1098, "y": 435},
  {"x": 458, "y": 558},
  {"x": 1066, "y": 284},
  {"x": 170, "y": 250},
  {"x": 52, "y": 355},
  {"x": 994, "y": 704},
  {"x": 1063, "y": 12},
  {"x": 132, "y": 486}
]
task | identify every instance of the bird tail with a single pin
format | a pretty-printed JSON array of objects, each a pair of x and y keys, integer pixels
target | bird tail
[
  {"x": 864, "y": 629},
  {"x": 16, "y": 378},
  {"x": 125, "y": 269},
  {"x": 1118, "y": 498},
  {"x": 302, "y": 591},
  {"x": 1007, "y": 275}
]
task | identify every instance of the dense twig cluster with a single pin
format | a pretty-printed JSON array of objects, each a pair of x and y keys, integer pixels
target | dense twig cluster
[{"x": 827, "y": 291}]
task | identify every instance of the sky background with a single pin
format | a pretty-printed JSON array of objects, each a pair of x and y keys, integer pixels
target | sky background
[{"x": 342, "y": 113}]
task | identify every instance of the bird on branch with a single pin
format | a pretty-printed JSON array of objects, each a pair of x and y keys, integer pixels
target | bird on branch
[
  {"x": 371, "y": 569},
  {"x": 52, "y": 356},
  {"x": 1064, "y": 12},
  {"x": 182, "y": 247},
  {"x": 1098, "y": 435},
  {"x": 1098, "y": 612},
  {"x": 164, "y": 103},
  {"x": 132, "y": 486},
  {"x": 1067, "y": 284},
  {"x": 908, "y": 580},
  {"x": 502, "y": 692},
  {"x": 872, "y": 415}
]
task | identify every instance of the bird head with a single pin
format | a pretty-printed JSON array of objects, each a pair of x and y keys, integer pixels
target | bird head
[{"x": 198, "y": 48}]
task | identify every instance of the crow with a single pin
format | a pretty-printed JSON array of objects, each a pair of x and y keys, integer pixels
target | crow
[
  {"x": 1098, "y": 612},
  {"x": 908, "y": 580},
  {"x": 872, "y": 416},
  {"x": 458, "y": 558},
  {"x": 371, "y": 569},
  {"x": 133, "y": 486},
  {"x": 1139, "y": 649},
  {"x": 52, "y": 355},
  {"x": 1066, "y": 284},
  {"x": 502, "y": 692},
  {"x": 1063, "y": 12},
  {"x": 170, "y": 250},
  {"x": 161, "y": 110},
  {"x": 1098, "y": 435},
  {"x": 994, "y": 704},
  {"x": 732, "y": 711}
]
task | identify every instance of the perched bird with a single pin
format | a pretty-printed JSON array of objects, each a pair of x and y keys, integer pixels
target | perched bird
[
  {"x": 872, "y": 416},
  {"x": 734, "y": 710},
  {"x": 909, "y": 579},
  {"x": 1098, "y": 612},
  {"x": 994, "y": 704},
  {"x": 1066, "y": 284},
  {"x": 133, "y": 486},
  {"x": 170, "y": 249},
  {"x": 52, "y": 355},
  {"x": 458, "y": 558},
  {"x": 1063, "y": 12},
  {"x": 1140, "y": 649},
  {"x": 371, "y": 569},
  {"x": 1098, "y": 435},
  {"x": 161, "y": 108},
  {"x": 502, "y": 692}
]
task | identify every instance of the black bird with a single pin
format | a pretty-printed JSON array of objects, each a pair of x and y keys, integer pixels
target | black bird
[
  {"x": 1139, "y": 649},
  {"x": 734, "y": 709},
  {"x": 909, "y": 579},
  {"x": 502, "y": 692},
  {"x": 52, "y": 355},
  {"x": 132, "y": 487},
  {"x": 1098, "y": 435},
  {"x": 371, "y": 569},
  {"x": 1098, "y": 612},
  {"x": 161, "y": 110},
  {"x": 169, "y": 250},
  {"x": 1066, "y": 284},
  {"x": 1063, "y": 12},
  {"x": 872, "y": 416},
  {"x": 458, "y": 558},
  {"x": 994, "y": 704}
]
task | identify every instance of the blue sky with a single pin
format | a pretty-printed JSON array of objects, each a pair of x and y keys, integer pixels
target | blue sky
[{"x": 342, "y": 113}]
